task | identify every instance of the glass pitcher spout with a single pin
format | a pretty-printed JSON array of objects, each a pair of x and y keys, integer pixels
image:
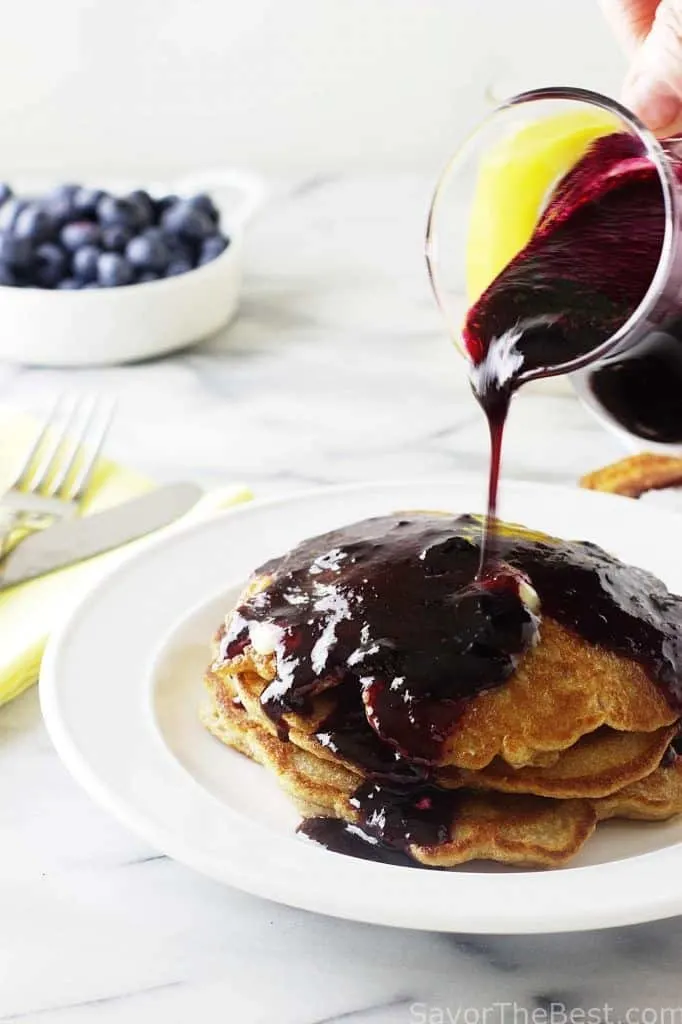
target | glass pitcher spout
[{"x": 554, "y": 240}]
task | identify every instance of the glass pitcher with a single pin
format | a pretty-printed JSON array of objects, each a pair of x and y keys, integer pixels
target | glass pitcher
[{"x": 485, "y": 209}]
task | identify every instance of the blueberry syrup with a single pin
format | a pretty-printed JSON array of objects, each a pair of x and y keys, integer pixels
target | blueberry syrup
[{"x": 390, "y": 606}]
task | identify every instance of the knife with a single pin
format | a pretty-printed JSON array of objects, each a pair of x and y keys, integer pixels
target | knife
[{"x": 75, "y": 540}]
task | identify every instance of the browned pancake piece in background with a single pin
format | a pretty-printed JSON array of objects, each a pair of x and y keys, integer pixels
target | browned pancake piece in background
[{"x": 636, "y": 475}]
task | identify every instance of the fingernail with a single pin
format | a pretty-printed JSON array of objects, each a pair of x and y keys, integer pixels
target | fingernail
[{"x": 653, "y": 102}]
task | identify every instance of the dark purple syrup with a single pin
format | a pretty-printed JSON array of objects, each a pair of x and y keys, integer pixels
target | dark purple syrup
[
  {"x": 495, "y": 404},
  {"x": 643, "y": 392},
  {"x": 392, "y": 818},
  {"x": 586, "y": 268},
  {"x": 390, "y": 607},
  {"x": 341, "y": 837}
]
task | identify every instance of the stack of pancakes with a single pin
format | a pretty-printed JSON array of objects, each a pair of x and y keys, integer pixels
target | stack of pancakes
[{"x": 578, "y": 734}]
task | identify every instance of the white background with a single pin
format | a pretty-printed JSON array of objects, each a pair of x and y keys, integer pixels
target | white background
[{"x": 283, "y": 85}]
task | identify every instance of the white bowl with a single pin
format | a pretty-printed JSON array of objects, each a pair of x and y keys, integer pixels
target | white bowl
[{"x": 117, "y": 325}]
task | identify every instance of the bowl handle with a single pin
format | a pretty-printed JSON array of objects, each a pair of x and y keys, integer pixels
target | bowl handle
[{"x": 251, "y": 188}]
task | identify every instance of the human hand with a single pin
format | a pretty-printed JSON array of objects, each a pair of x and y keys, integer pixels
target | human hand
[{"x": 652, "y": 31}]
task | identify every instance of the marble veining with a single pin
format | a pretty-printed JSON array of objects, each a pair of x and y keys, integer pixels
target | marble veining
[{"x": 336, "y": 370}]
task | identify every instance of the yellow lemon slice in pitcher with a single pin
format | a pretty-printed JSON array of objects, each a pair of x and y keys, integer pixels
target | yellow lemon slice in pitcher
[{"x": 514, "y": 178}]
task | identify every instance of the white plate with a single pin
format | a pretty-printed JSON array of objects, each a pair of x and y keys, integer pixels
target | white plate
[{"x": 121, "y": 684}]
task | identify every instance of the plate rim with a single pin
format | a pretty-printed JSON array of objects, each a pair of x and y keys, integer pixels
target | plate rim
[{"x": 657, "y": 905}]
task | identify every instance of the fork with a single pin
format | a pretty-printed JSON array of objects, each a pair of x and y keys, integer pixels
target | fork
[{"x": 57, "y": 471}]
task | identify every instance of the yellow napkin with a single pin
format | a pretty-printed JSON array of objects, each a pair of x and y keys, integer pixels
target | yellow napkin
[{"x": 29, "y": 611}]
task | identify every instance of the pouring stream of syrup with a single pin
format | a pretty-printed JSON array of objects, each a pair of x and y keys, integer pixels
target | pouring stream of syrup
[{"x": 585, "y": 270}]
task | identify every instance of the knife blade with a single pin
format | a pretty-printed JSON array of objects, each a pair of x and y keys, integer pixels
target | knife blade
[{"x": 75, "y": 540}]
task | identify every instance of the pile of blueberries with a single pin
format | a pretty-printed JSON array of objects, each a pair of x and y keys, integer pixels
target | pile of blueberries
[{"x": 76, "y": 237}]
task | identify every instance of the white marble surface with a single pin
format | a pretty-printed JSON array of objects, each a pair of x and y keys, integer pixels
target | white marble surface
[{"x": 337, "y": 370}]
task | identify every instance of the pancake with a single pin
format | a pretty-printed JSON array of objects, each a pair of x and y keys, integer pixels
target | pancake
[
  {"x": 316, "y": 786},
  {"x": 597, "y": 765},
  {"x": 563, "y": 689},
  {"x": 521, "y": 830}
]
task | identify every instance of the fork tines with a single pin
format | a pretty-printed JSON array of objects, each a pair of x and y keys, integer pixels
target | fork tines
[{"x": 63, "y": 457}]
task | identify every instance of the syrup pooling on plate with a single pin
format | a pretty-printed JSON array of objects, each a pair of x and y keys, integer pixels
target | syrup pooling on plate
[{"x": 391, "y": 818}]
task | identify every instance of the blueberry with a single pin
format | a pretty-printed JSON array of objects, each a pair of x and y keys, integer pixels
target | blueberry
[
  {"x": 178, "y": 267},
  {"x": 164, "y": 203},
  {"x": 148, "y": 275},
  {"x": 182, "y": 219},
  {"x": 63, "y": 192},
  {"x": 156, "y": 236},
  {"x": 174, "y": 245},
  {"x": 144, "y": 205},
  {"x": 32, "y": 223},
  {"x": 113, "y": 270},
  {"x": 16, "y": 252},
  {"x": 84, "y": 263},
  {"x": 50, "y": 265},
  {"x": 212, "y": 248},
  {"x": 112, "y": 211},
  {"x": 59, "y": 212},
  {"x": 91, "y": 284},
  {"x": 68, "y": 284},
  {"x": 5, "y": 192},
  {"x": 10, "y": 210},
  {"x": 78, "y": 233},
  {"x": 188, "y": 253},
  {"x": 177, "y": 246},
  {"x": 148, "y": 253},
  {"x": 59, "y": 203},
  {"x": 203, "y": 202},
  {"x": 7, "y": 276},
  {"x": 85, "y": 201},
  {"x": 115, "y": 238}
]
